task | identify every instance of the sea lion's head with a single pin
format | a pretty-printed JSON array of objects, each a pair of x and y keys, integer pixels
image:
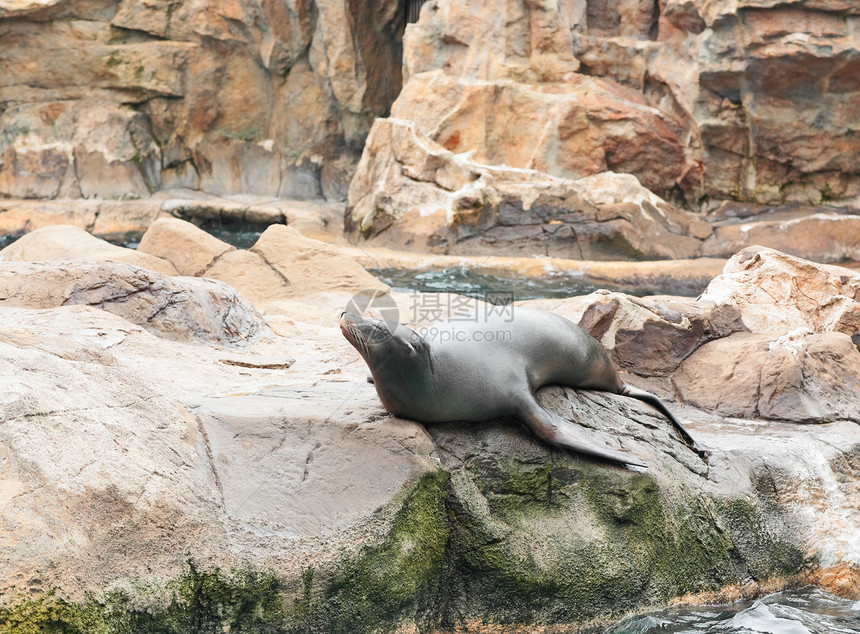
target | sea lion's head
[
  {"x": 380, "y": 341},
  {"x": 398, "y": 358}
]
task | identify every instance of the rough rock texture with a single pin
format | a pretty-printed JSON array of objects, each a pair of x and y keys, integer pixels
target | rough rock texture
[
  {"x": 750, "y": 100},
  {"x": 652, "y": 336},
  {"x": 126, "y": 98},
  {"x": 303, "y": 506},
  {"x": 777, "y": 104},
  {"x": 180, "y": 308},
  {"x": 178, "y": 456},
  {"x": 776, "y": 292},
  {"x": 412, "y": 192},
  {"x": 822, "y": 234},
  {"x": 517, "y": 505},
  {"x": 773, "y": 337},
  {"x": 575, "y": 128},
  {"x": 500, "y": 79}
]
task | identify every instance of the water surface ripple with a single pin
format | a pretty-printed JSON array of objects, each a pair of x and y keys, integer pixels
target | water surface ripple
[{"x": 807, "y": 611}]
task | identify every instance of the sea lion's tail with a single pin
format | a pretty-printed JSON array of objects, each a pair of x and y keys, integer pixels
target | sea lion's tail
[{"x": 647, "y": 397}]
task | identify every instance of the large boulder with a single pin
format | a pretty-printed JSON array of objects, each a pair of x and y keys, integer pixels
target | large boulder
[
  {"x": 524, "y": 105},
  {"x": 179, "y": 308},
  {"x": 652, "y": 336},
  {"x": 282, "y": 265},
  {"x": 125, "y": 456},
  {"x": 310, "y": 266},
  {"x": 797, "y": 377},
  {"x": 777, "y": 293},
  {"x": 187, "y": 247},
  {"x": 799, "y": 362},
  {"x": 411, "y": 192},
  {"x": 67, "y": 242}
]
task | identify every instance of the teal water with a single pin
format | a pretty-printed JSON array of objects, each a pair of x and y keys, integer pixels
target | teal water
[
  {"x": 463, "y": 281},
  {"x": 806, "y": 611},
  {"x": 459, "y": 280}
]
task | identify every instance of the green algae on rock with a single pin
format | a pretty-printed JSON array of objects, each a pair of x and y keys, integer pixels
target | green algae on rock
[
  {"x": 545, "y": 539},
  {"x": 200, "y": 601}
]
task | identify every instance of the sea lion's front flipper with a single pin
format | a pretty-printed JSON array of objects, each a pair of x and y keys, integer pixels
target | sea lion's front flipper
[
  {"x": 660, "y": 406},
  {"x": 561, "y": 433}
]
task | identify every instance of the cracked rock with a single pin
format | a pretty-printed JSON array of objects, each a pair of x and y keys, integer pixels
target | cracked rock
[
  {"x": 411, "y": 192},
  {"x": 178, "y": 308}
]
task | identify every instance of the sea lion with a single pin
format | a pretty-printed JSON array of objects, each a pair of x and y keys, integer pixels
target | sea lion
[{"x": 479, "y": 370}]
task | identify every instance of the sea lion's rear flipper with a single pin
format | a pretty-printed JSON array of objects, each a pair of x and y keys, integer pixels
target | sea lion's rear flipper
[
  {"x": 561, "y": 433},
  {"x": 655, "y": 402}
]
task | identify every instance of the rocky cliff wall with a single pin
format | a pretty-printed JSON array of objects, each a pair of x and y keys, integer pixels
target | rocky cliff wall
[
  {"x": 699, "y": 99},
  {"x": 117, "y": 99},
  {"x": 747, "y": 100}
]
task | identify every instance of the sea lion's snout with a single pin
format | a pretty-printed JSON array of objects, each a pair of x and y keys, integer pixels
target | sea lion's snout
[
  {"x": 347, "y": 318},
  {"x": 350, "y": 324}
]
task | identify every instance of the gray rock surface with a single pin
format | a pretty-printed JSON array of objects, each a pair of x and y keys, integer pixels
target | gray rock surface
[
  {"x": 179, "y": 308},
  {"x": 126, "y": 454}
]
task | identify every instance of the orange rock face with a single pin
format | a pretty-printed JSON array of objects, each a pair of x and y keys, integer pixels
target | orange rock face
[
  {"x": 410, "y": 192},
  {"x": 121, "y": 99},
  {"x": 712, "y": 99}
]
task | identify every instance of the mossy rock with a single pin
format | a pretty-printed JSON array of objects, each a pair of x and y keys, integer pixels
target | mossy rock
[{"x": 537, "y": 539}]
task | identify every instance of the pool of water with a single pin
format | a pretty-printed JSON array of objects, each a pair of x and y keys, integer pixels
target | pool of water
[
  {"x": 807, "y": 611},
  {"x": 463, "y": 281},
  {"x": 460, "y": 280}
]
